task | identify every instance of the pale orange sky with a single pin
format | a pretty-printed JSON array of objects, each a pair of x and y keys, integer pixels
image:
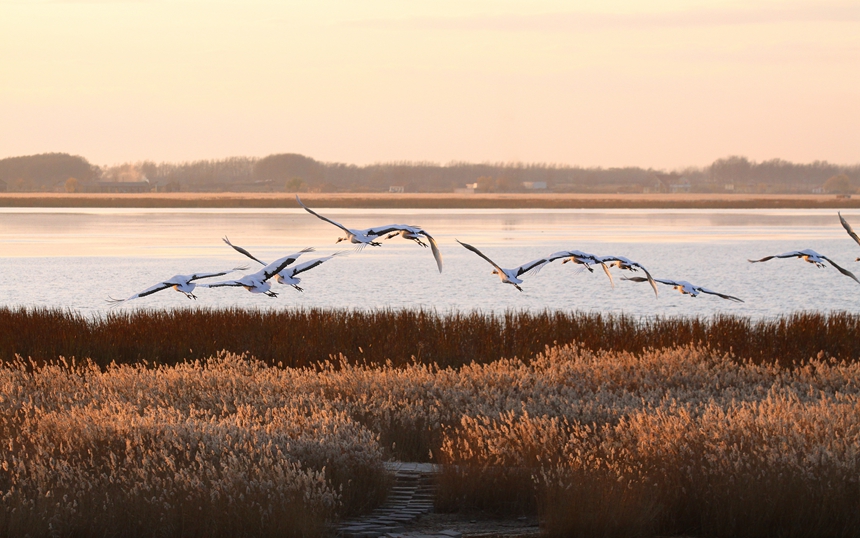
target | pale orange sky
[{"x": 594, "y": 83}]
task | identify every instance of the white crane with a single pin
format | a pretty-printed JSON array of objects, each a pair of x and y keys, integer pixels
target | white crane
[
  {"x": 809, "y": 255},
  {"x": 509, "y": 276},
  {"x": 626, "y": 264},
  {"x": 288, "y": 275},
  {"x": 181, "y": 283},
  {"x": 684, "y": 287},
  {"x": 582, "y": 258},
  {"x": 360, "y": 238},
  {"x": 259, "y": 282},
  {"x": 413, "y": 233},
  {"x": 850, "y": 231}
]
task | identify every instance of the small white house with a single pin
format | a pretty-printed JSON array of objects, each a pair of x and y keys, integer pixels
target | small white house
[
  {"x": 681, "y": 186},
  {"x": 396, "y": 189},
  {"x": 534, "y": 185}
]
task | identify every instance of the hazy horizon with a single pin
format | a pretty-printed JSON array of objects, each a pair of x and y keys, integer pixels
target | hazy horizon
[{"x": 595, "y": 84}]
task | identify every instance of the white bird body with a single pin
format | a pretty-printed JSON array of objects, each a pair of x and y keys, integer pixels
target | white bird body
[
  {"x": 850, "y": 231},
  {"x": 685, "y": 287},
  {"x": 413, "y": 233},
  {"x": 810, "y": 256},
  {"x": 360, "y": 238},
  {"x": 288, "y": 275},
  {"x": 259, "y": 282},
  {"x": 181, "y": 283},
  {"x": 509, "y": 276}
]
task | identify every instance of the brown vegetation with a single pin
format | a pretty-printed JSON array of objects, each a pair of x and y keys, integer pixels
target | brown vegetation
[
  {"x": 299, "y": 337},
  {"x": 662, "y": 442}
]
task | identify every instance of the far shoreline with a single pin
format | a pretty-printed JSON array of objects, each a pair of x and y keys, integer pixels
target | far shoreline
[{"x": 432, "y": 200}]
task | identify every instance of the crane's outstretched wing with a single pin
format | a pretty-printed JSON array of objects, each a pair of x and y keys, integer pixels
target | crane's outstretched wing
[
  {"x": 308, "y": 265},
  {"x": 481, "y": 254},
  {"x": 148, "y": 291},
  {"x": 635, "y": 266},
  {"x": 842, "y": 270},
  {"x": 792, "y": 254},
  {"x": 388, "y": 229},
  {"x": 848, "y": 229},
  {"x": 317, "y": 215},
  {"x": 558, "y": 255},
  {"x": 534, "y": 265},
  {"x": 417, "y": 230},
  {"x": 606, "y": 270},
  {"x": 232, "y": 283},
  {"x": 242, "y": 251},
  {"x": 435, "y": 249},
  {"x": 198, "y": 276},
  {"x": 278, "y": 265},
  {"x": 645, "y": 279},
  {"x": 724, "y": 296}
]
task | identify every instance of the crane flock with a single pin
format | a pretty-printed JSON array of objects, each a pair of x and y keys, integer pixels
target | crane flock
[{"x": 285, "y": 273}]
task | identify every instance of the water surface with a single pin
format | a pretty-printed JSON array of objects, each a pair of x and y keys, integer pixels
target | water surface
[{"x": 77, "y": 257}]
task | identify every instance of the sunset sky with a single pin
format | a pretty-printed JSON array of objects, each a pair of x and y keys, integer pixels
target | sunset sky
[{"x": 662, "y": 84}]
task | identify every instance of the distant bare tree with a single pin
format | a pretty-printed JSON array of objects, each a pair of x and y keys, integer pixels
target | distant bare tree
[{"x": 838, "y": 184}]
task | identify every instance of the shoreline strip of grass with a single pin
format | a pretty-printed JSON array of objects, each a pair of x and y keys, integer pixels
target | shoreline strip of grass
[
  {"x": 305, "y": 337},
  {"x": 431, "y": 201}
]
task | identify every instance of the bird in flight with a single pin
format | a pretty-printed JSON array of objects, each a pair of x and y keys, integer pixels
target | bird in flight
[
  {"x": 581, "y": 258},
  {"x": 288, "y": 275},
  {"x": 626, "y": 264},
  {"x": 413, "y": 233},
  {"x": 849, "y": 230},
  {"x": 509, "y": 276},
  {"x": 684, "y": 287},
  {"x": 360, "y": 238},
  {"x": 809, "y": 255},
  {"x": 181, "y": 283},
  {"x": 259, "y": 282}
]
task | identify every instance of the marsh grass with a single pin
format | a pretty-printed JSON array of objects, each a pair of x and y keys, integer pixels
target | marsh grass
[
  {"x": 635, "y": 432},
  {"x": 221, "y": 449},
  {"x": 303, "y": 337}
]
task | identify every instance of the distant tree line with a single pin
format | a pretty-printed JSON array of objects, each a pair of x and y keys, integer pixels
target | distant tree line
[{"x": 297, "y": 173}]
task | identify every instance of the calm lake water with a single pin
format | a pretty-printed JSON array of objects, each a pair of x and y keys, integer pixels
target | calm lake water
[{"x": 77, "y": 257}]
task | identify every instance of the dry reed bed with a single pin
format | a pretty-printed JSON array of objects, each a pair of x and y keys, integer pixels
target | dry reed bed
[
  {"x": 298, "y": 337},
  {"x": 683, "y": 440},
  {"x": 221, "y": 449}
]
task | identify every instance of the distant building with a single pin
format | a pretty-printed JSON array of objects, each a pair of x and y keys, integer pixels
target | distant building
[
  {"x": 469, "y": 189},
  {"x": 730, "y": 186},
  {"x": 656, "y": 185},
  {"x": 397, "y": 189},
  {"x": 681, "y": 186},
  {"x": 534, "y": 185}
]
